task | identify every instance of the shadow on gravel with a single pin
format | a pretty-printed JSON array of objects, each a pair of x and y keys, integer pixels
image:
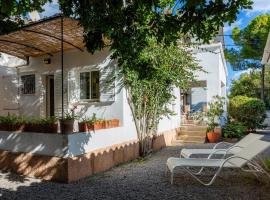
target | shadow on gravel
[{"x": 140, "y": 180}]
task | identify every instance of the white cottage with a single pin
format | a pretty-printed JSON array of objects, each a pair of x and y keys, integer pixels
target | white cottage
[{"x": 89, "y": 83}]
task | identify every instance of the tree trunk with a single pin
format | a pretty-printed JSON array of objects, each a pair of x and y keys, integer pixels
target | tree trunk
[{"x": 262, "y": 82}]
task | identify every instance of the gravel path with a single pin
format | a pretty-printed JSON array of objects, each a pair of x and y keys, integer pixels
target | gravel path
[{"x": 143, "y": 179}]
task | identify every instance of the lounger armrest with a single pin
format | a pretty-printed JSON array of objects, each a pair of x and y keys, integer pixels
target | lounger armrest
[
  {"x": 224, "y": 151},
  {"x": 218, "y": 144}
]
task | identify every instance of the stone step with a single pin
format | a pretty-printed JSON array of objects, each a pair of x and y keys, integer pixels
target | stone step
[
  {"x": 193, "y": 133},
  {"x": 193, "y": 128},
  {"x": 190, "y": 138},
  {"x": 181, "y": 142}
]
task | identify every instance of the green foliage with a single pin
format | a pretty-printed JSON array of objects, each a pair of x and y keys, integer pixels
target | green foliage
[
  {"x": 234, "y": 130},
  {"x": 13, "y": 11},
  {"x": 215, "y": 112},
  {"x": 41, "y": 121},
  {"x": 249, "y": 85},
  {"x": 266, "y": 163},
  {"x": 247, "y": 110},
  {"x": 128, "y": 26},
  {"x": 11, "y": 119},
  {"x": 251, "y": 41},
  {"x": 91, "y": 120}
]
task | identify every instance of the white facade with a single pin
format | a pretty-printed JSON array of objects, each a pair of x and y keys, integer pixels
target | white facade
[
  {"x": 213, "y": 81},
  {"x": 112, "y": 102}
]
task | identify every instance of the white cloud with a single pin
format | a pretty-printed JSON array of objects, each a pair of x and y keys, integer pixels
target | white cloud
[
  {"x": 237, "y": 74},
  {"x": 50, "y": 9},
  {"x": 228, "y": 28},
  {"x": 261, "y": 6}
]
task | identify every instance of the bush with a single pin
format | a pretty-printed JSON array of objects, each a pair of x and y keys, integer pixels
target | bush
[
  {"x": 247, "y": 110},
  {"x": 234, "y": 130}
]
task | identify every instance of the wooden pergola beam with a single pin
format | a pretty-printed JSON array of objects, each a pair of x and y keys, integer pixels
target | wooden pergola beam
[{"x": 26, "y": 45}]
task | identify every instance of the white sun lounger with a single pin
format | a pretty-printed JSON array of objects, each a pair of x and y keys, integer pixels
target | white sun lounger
[
  {"x": 241, "y": 160},
  {"x": 231, "y": 149}
]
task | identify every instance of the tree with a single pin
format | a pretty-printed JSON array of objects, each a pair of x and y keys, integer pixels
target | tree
[
  {"x": 251, "y": 42},
  {"x": 143, "y": 36},
  {"x": 13, "y": 11},
  {"x": 249, "y": 85}
]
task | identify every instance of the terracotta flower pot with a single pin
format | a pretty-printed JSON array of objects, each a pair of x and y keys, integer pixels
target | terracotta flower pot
[
  {"x": 115, "y": 122},
  {"x": 68, "y": 126},
  {"x": 85, "y": 127},
  {"x": 99, "y": 125},
  {"x": 213, "y": 137}
]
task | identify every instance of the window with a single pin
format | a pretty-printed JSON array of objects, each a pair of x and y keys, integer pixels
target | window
[
  {"x": 28, "y": 85},
  {"x": 89, "y": 85}
]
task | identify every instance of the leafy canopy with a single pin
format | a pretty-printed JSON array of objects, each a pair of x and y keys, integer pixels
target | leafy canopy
[
  {"x": 12, "y": 12},
  {"x": 251, "y": 42},
  {"x": 249, "y": 85}
]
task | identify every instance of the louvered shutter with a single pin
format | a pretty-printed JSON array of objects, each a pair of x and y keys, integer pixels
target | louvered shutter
[
  {"x": 107, "y": 83},
  {"x": 58, "y": 93},
  {"x": 73, "y": 86}
]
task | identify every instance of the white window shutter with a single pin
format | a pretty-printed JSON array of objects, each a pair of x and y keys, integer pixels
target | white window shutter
[
  {"x": 107, "y": 83},
  {"x": 58, "y": 93},
  {"x": 73, "y": 86}
]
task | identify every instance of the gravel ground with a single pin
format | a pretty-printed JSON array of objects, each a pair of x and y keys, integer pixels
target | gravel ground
[{"x": 141, "y": 179}]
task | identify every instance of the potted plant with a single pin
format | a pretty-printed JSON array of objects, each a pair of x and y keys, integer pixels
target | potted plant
[
  {"x": 213, "y": 116},
  {"x": 12, "y": 123},
  {"x": 68, "y": 121},
  {"x": 49, "y": 125},
  {"x": 86, "y": 125}
]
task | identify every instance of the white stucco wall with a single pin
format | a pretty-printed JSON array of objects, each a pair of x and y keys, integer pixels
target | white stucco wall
[
  {"x": 9, "y": 84},
  {"x": 34, "y": 105},
  {"x": 211, "y": 59}
]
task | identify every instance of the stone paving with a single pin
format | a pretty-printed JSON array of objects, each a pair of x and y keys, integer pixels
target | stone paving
[{"x": 141, "y": 179}]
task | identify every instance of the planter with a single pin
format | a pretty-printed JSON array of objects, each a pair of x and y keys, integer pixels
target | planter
[
  {"x": 99, "y": 125},
  {"x": 68, "y": 126},
  {"x": 49, "y": 128},
  {"x": 115, "y": 122},
  {"x": 85, "y": 127},
  {"x": 213, "y": 137},
  {"x": 41, "y": 128},
  {"x": 12, "y": 127}
]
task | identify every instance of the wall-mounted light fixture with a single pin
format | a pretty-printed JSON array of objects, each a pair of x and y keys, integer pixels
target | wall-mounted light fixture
[{"x": 47, "y": 61}]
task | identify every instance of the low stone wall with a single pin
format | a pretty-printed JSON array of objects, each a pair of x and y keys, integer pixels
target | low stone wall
[{"x": 74, "y": 168}]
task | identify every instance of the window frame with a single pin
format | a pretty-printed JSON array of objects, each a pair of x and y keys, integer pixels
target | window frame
[
  {"x": 22, "y": 85},
  {"x": 90, "y": 87}
]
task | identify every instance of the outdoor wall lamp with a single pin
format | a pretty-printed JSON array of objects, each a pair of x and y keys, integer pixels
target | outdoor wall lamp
[{"x": 47, "y": 61}]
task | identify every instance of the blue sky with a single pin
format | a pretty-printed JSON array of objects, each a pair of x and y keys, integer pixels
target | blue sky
[{"x": 244, "y": 17}]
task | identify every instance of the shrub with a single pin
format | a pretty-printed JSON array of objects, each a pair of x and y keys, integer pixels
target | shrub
[
  {"x": 234, "y": 130},
  {"x": 247, "y": 110}
]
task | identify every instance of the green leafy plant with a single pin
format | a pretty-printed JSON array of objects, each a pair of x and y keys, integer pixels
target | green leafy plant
[
  {"x": 247, "y": 110},
  {"x": 71, "y": 114},
  {"x": 234, "y": 130},
  {"x": 12, "y": 119},
  {"x": 214, "y": 113}
]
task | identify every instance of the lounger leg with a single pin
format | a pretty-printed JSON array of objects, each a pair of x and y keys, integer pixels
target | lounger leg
[{"x": 172, "y": 177}]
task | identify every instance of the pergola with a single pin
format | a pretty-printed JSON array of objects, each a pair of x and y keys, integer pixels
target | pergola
[{"x": 45, "y": 37}]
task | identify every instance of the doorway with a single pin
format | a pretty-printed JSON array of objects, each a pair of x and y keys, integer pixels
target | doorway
[{"x": 50, "y": 96}]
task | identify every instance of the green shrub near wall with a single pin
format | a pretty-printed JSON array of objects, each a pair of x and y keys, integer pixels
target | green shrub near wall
[{"x": 247, "y": 110}]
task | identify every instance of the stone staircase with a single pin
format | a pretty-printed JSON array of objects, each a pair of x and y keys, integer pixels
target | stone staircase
[{"x": 191, "y": 132}]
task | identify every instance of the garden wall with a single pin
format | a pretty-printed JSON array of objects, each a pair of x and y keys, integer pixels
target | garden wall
[{"x": 66, "y": 167}]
